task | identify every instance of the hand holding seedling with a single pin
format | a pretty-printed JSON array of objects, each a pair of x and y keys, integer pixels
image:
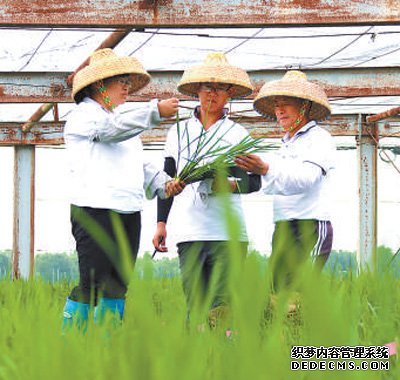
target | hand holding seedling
[
  {"x": 168, "y": 107},
  {"x": 174, "y": 187},
  {"x": 252, "y": 163}
]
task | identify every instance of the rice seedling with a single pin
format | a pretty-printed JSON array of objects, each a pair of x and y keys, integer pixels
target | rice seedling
[
  {"x": 208, "y": 160},
  {"x": 211, "y": 154}
]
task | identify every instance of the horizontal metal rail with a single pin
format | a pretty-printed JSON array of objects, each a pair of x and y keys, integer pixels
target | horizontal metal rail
[
  {"x": 52, "y": 87},
  {"x": 199, "y": 13},
  {"x": 51, "y": 133}
]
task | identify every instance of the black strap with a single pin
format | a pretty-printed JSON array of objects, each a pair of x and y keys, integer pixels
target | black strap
[{"x": 164, "y": 205}]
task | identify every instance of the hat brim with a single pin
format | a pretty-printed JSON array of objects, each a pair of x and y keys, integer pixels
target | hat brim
[
  {"x": 225, "y": 74},
  {"x": 264, "y": 102}
]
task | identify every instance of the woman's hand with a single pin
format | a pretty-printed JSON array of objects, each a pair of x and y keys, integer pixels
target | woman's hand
[
  {"x": 174, "y": 187},
  {"x": 168, "y": 107},
  {"x": 160, "y": 237},
  {"x": 252, "y": 163}
]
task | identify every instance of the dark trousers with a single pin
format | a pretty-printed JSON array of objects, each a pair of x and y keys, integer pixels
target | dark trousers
[
  {"x": 205, "y": 268},
  {"x": 107, "y": 244},
  {"x": 295, "y": 241}
]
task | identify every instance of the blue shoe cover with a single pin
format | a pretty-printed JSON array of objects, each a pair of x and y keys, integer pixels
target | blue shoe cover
[
  {"x": 75, "y": 314},
  {"x": 111, "y": 306}
]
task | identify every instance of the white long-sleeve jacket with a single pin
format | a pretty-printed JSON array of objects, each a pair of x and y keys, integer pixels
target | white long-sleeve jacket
[
  {"x": 105, "y": 156},
  {"x": 299, "y": 175},
  {"x": 197, "y": 215}
]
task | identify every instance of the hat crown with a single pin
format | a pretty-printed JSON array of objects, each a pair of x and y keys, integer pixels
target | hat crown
[
  {"x": 295, "y": 75},
  {"x": 215, "y": 59},
  {"x": 101, "y": 54},
  {"x": 216, "y": 69}
]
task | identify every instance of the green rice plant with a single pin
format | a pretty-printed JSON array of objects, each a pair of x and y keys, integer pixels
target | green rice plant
[
  {"x": 210, "y": 156},
  {"x": 154, "y": 341},
  {"x": 208, "y": 159}
]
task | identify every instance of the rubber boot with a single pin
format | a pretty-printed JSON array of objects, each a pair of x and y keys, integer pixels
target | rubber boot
[
  {"x": 113, "y": 307},
  {"x": 75, "y": 314}
]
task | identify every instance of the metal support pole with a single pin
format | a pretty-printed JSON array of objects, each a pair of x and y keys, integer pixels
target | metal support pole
[
  {"x": 367, "y": 158},
  {"x": 24, "y": 207}
]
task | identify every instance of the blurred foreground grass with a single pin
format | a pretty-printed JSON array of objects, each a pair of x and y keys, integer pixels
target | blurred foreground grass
[{"x": 154, "y": 342}]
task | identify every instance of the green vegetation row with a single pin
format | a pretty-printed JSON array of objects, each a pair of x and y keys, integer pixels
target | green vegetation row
[
  {"x": 54, "y": 267},
  {"x": 156, "y": 340}
]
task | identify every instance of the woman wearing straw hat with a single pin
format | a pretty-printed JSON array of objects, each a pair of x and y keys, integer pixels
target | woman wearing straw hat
[
  {"x": 202, "y": 232},
  {"x": 299, "y": 175},
  {"x": 107, "y": 176}
]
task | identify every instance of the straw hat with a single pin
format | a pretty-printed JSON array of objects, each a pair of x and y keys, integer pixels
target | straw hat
[
  {"x": 104, "y": 63},
  {"x": 215, "y": 69},
  {"x": 294, "y": 84}
]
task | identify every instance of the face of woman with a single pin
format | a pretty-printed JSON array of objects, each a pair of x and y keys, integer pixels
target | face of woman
[
  {"x": 287, "y": 111},
  {"x": 118, "y": 89},
  {"x": 214, "y": 96}
]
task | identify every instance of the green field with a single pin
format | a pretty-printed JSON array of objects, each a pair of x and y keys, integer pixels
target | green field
[{"x": 156, "y": 342}]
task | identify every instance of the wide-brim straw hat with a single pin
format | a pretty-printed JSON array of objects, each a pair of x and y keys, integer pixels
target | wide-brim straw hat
[
  {"x": 215, "y": 69},
  {"x": 104, "y": 63},
  {"x": 294, "y": 84}
]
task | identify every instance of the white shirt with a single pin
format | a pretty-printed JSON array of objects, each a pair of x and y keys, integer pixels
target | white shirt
[
  {"x": 197, "y": 214},
  {"x": 299, "y": 175},
  {"x": 105, "y": 155}
]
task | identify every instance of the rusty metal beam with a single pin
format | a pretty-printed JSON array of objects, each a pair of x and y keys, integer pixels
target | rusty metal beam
[
  {"x": 338, "y": 82},
  {"x": 48, "y": 87},
  {"x": 51, "y": 133},
  {"x": 36, "y": 116},
  {"x": 199, "y": 13},
  {"x": 383, "y": 115},
  {"x": 35, "y": 87}
]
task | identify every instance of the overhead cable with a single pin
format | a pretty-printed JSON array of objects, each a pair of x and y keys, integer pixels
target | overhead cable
[
  {"x": 243, "y": 42},
  {"x": 36, "y": 50},
  {"x": 376, "y": 57},
  {"x": 205, "y": 35},
  {"x": 340, "y": 50},
  {"x": 143, "y": 43}
]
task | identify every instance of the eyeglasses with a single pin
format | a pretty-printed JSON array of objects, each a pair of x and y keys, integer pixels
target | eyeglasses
[
  {"x": 125, "y": 82},
  {"x": 216, "y": 88}
]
